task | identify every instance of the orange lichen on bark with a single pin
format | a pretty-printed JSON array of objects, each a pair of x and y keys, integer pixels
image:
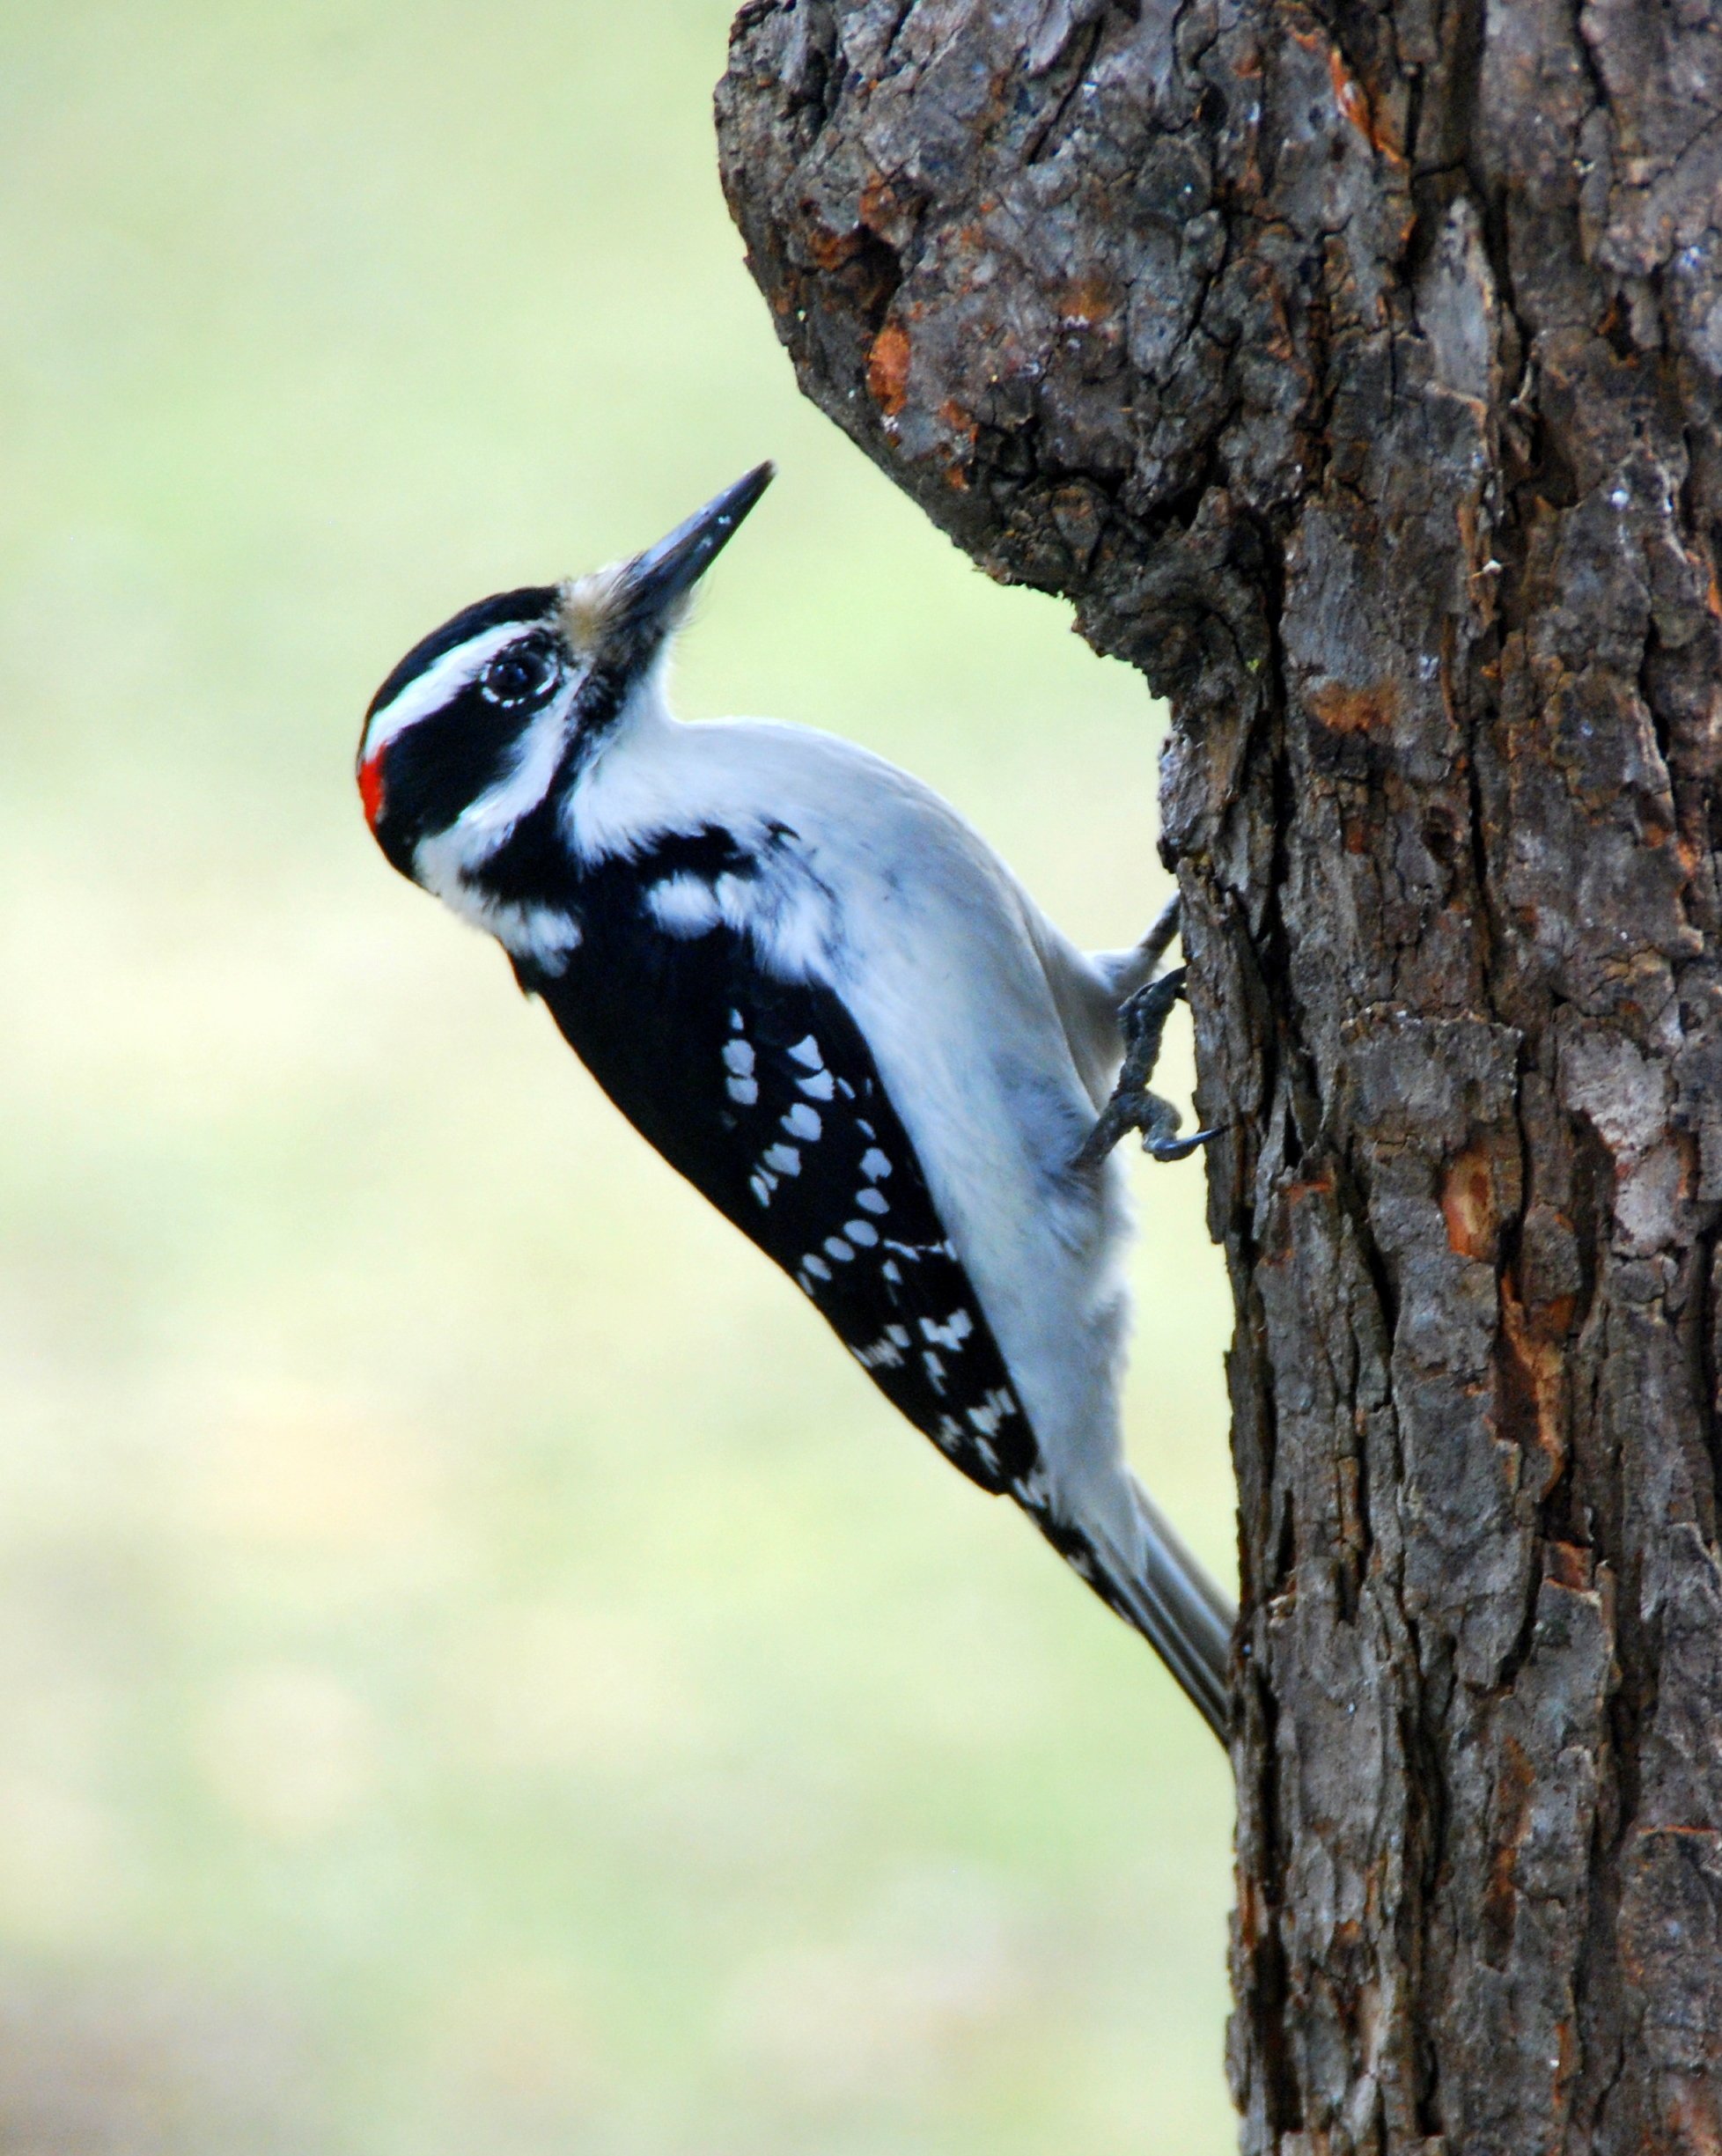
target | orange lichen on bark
[
  {"x": 958, "y": 419},
  {"x": 1311, "y": 1191},
  {"x": 877, "y": 200},
  {"x": 1513, "y": 1819},
  {"x": 887, "y": 369},
  {"x": 1343, "y": 710},
  {"x": 1467, "y": 1204},
  {"x": 1533, "y": 1394},
  {"x": 1087, "y": 300},
  {"x": 1569, "y": 1565},
  {"x": 830, "y": 250},
  {"x": 1354, "y": 104},
  {"x": 882, "y": 210}
]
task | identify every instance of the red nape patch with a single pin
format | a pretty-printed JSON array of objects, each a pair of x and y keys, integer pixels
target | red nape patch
[{"x": 370, "y": 787}]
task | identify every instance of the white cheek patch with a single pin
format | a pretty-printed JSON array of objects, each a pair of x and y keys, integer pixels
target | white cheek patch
[
  {"x": 437, "y": 685},
  {"x": 537, "y": 932},
  {"x": 484, "y": 825},
  {"x": 447, "y": 863},
  {"x": 538, "y": 756}
]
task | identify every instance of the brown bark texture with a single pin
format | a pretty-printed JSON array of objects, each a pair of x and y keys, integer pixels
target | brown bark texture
[{"x": 1355, "y": 370}]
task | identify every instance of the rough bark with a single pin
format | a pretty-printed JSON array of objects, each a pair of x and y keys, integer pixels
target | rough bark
[{"x": 1355, "y": 370}]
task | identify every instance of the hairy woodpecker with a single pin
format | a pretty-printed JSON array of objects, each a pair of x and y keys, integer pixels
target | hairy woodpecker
[{"x": 826, "y": 1001}]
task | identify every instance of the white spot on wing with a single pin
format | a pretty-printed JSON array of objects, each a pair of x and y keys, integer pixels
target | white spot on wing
[
  {"x": 739, "y": 1056},
  {"x": 806, "y": 1052},
  {"x": 1032, "y": 1490},
  {"x": 955, "y": 1329},
  {"x": 819, "y": 1086},
  {"x": 547, "y": 938},
  {"x": 816, "y": 1266},
  {"x": 839, "y": 1249},
  {"x": 784, "y": 1159},
  {"x": 746, "y": 1090},
  {"x": 872, "y": 1201},
  {"x": 802, "y": 1121},
  {"x": 885, "y": 1354},
  {"x": 875, "y": 1166},
  {"x": 862, "y": 1231}
]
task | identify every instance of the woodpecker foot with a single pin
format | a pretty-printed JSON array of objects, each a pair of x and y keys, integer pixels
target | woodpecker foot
[{"x": 1133, "y": 1106}]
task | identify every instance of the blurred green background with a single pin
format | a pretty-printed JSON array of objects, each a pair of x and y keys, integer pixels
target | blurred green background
[{"x": 479, "y": 1668}]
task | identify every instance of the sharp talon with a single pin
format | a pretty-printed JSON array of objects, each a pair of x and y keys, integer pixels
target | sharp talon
[
  {"x": 1177, "y": 1149},
  {"x": 1133, "y": 1106},
  {"x": 1154, "y": 1001}
]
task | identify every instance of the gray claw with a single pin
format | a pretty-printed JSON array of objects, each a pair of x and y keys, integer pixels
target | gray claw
[
  {"x": 1177, "y": 1149},
  {"x": 1152, "y": 1003},
  {"x": 1133, "y": 1106}
]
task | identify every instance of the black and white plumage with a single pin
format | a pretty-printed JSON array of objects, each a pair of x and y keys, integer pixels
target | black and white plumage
[{"x": 826, "y": 1001}]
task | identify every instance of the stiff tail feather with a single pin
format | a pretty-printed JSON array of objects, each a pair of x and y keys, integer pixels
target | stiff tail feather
[{"x": 1184, "y": 1616}]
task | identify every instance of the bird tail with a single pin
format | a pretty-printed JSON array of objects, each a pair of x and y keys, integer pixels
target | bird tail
[{"x": 1158, "y": 1588}]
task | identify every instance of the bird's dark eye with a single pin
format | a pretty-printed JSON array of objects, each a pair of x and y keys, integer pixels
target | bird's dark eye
[{"x": 524, "y": 675}]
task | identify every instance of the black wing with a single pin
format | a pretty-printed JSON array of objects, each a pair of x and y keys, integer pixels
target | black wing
[{"x": 764, "y": 1094}]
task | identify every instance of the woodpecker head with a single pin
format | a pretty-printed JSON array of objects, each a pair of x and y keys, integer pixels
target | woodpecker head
[{"x": 500, "y": 707}]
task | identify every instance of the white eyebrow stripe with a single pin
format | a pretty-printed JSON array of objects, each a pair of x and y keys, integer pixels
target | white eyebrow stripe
[{"x": 439, "y": 682}]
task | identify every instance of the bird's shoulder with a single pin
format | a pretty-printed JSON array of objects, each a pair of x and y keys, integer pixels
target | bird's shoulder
[{"x": 780, "y": 790}]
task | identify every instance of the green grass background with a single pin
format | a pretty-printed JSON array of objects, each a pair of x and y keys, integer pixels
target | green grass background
[{"x": 479, "y": 1668}]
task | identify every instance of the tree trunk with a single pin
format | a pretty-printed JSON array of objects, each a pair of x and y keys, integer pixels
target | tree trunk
[{"x": 1356, "y": 373}]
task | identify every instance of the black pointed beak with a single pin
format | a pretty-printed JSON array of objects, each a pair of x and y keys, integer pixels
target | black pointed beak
[{"x": 656, "y": 579}]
